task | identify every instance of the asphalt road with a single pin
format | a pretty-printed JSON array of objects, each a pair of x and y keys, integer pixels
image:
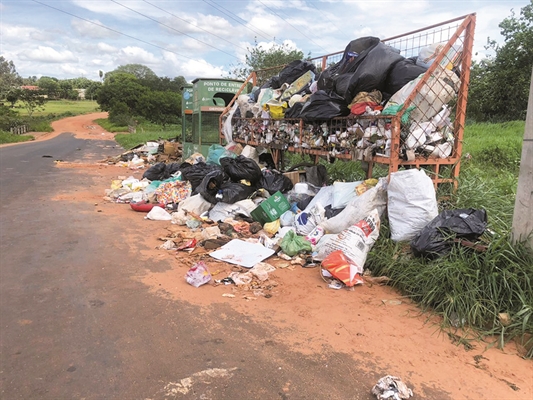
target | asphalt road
[{"x": 75, "y": 325}]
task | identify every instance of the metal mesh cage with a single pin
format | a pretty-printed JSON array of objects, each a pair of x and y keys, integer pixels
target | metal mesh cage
[{"x": 422, "y": 123}]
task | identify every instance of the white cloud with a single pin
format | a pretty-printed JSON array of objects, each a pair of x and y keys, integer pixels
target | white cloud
[
  {"x": 91, "y": 29},
  {"x": 16, "y": 32},
  {"x": 106, "y": 48},
  {"x": 73, "y": 70},
  {"x": 110, "y": 8},
  {"x": 135, "y": 55},
  {"x": 201, "y": 68},
  {"x": 48, "y": 54}
]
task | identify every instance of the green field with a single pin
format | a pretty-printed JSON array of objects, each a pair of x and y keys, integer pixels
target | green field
[{"x": 61, "y": 107}]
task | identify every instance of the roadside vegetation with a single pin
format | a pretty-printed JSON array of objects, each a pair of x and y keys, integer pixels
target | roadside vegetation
[{"x": 145, "y": 132}]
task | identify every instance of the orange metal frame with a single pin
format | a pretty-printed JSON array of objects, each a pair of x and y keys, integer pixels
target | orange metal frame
[{"x": 441, "y": 169}]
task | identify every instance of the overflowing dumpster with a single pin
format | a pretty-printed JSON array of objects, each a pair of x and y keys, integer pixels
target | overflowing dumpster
[{"x": 400, "y": 102}]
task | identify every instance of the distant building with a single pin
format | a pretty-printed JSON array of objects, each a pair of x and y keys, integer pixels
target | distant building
[
  {"x": 30, "y": 87},
  {"x": 81, "y": 93}
]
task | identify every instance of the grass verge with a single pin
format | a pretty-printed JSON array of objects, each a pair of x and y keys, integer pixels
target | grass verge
[
  {"x": 145, "y": 132},
  {"x": 7, "y": 137}
]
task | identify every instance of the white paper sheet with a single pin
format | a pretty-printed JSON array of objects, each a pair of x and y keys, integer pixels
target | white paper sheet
[{"x": 242, "y": 253}]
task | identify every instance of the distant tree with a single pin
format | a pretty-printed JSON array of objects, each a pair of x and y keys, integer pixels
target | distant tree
[
  {"x": 165, "y": 84},
  {"x": 179, "y": 82},
  {"x": 8, "y": 118},
  {"x": 91, "y": 91},
  {"x": 259, "y": 57},
  {"x": 499, "y": 86},
  {"x": 81, "y": 82},
  {"x": 65, "y": 88},
  {"x": 140, "y": 71},
  {"x": 49, "y": 86},
  {"x": 32, "y": 100},
  {"x": 9, "y": 78},
  {"x": 30, "y": 80},
  {"x": 160, "y": 107},
  {"x": 13, "y": 96},
  {"x": 120, "y": 95}
]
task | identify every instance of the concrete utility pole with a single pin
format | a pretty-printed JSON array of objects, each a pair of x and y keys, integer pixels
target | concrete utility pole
[{"x": 523, "y": 207}]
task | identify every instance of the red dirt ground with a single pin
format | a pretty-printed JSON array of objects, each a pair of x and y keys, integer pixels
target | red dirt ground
[{"x": 311, "y": 315}]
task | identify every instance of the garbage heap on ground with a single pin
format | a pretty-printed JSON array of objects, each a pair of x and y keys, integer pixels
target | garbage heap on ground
[
  {"x": 245, "y": 213},
  {"x": 148, "y": 153},
  {"x": 346, "y": 109}
]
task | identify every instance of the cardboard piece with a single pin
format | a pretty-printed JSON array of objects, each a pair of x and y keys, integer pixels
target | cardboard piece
[{"x": 271, "y": 209}]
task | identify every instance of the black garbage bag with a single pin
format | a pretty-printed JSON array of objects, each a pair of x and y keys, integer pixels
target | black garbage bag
[
  {"x": 240, "y": 168},
  {"x": 364, "y": 67},
  {"x": 324, "y": 105},
  {"x": 211, "y": 185},
  {"x": 332, "y": 212},
  {"x": 162, "y": 171},
  {"x": 436, "y": 238},
  {"x": 155, "y": 172},
  {"x": 233, "y": 192},
  {"x": 197, "y": 172},
  {"x": 317, "y": 175},
  {"x": 294, "y": 111},
  {"x": 266, "y": 159},
  {"x": 403, "y": 72},
  {"x": 273, "y": 181},
  {"x": 291, "y": 72},
  {"x": 354, "y": 54},
  {"x": 370, "y": 74},
  {"x": 303, "y": 201}
]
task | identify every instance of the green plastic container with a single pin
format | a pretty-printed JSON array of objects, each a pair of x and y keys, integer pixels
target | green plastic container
[{"x": 271, "y": 209}]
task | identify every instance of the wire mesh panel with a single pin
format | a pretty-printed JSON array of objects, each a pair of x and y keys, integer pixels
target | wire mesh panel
[{"x": 420, "y": 124}]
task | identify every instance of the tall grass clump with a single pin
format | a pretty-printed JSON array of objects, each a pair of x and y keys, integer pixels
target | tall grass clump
[
  {"x": 8, "y": 137},
  {"x": 488, "y": 293}
]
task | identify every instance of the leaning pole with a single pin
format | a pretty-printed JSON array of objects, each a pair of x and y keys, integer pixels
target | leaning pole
[{"x": 523, "y": 208}]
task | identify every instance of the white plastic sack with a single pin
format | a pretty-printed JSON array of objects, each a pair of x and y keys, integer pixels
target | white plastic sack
[
  {"x": 250, "y": 152},
  {"x": 158, "y": 214},
  {"x": 355, "y": 242},
  {"x": 227, "y": 128},
  {"x": 358, "y": 208},
  {"x": 343, "y": 193},
  {"x": 195, "y": 204},
  {"x": 412, "y": 203},
  {"x": 287, "y": 218},
  {"x": 221, "y": 211},
  {"x": 440, "y": 89},
  {"x": 306, "y": 221},
  {"x": 324, "y": 197}
]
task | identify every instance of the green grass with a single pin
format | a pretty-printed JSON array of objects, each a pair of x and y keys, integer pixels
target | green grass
[
  {"x": 495, "y": 145},
  {"x": 145, "y": 133},
  {"x": 60, "y": 107},
  {"x": 7, "y": 137},
  {"x": 109, "y": 126}
]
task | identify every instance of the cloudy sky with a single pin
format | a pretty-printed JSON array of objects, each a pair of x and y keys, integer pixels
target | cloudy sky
[{"x": 205, "y": 38}]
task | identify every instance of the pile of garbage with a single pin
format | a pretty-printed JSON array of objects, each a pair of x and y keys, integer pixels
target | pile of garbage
[
  {"x": 245, "y": 213},
  {"x": 146, "y": 154},
  {"x": 368, "y": 86}
]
